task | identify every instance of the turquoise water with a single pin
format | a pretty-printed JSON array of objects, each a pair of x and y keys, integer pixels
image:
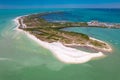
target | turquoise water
[{"x": 23, "y": 59}]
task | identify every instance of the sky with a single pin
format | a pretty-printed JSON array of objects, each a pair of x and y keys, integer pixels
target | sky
[{"x": 59, "y": 3}]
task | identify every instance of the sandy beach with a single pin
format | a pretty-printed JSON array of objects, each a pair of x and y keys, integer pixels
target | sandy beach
[{"x": 61, "y": 52}]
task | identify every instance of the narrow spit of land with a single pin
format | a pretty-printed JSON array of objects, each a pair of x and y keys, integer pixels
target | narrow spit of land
[
  {"x": 58, "y": 41},
  {"x": 50, "y": 31}
]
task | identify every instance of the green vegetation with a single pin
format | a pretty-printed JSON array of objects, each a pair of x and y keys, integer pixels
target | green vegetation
[
  {"x": 97, "y": 43},
  {"x": 50, "y": 31}
]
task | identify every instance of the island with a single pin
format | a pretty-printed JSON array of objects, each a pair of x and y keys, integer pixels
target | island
[{"x": 60, "y": 42}]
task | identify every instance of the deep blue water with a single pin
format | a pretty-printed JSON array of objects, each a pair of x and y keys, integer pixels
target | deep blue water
[{"x": 86, "y": 15}]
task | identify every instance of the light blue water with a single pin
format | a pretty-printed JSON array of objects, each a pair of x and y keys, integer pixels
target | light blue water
[{"x": 23, "y": 59}]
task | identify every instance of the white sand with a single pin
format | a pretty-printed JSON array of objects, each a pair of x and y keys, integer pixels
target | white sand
[{"x": 63, "y": 53}]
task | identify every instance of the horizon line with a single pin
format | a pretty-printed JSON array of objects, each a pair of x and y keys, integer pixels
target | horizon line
[{"x": 112, "y": 5}]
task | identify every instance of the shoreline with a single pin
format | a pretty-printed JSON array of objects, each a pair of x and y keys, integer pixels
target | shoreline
[{"x": 61, "y": 52}]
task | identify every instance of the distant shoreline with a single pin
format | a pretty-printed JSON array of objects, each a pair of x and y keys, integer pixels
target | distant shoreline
[{"x": 64, "y": 53}]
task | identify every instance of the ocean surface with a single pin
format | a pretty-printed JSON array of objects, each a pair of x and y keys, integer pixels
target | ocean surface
[{"x": 23, "y": 59}]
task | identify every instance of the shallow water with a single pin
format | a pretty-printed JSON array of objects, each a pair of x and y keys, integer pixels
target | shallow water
[{"x": 23, "y": 59}]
